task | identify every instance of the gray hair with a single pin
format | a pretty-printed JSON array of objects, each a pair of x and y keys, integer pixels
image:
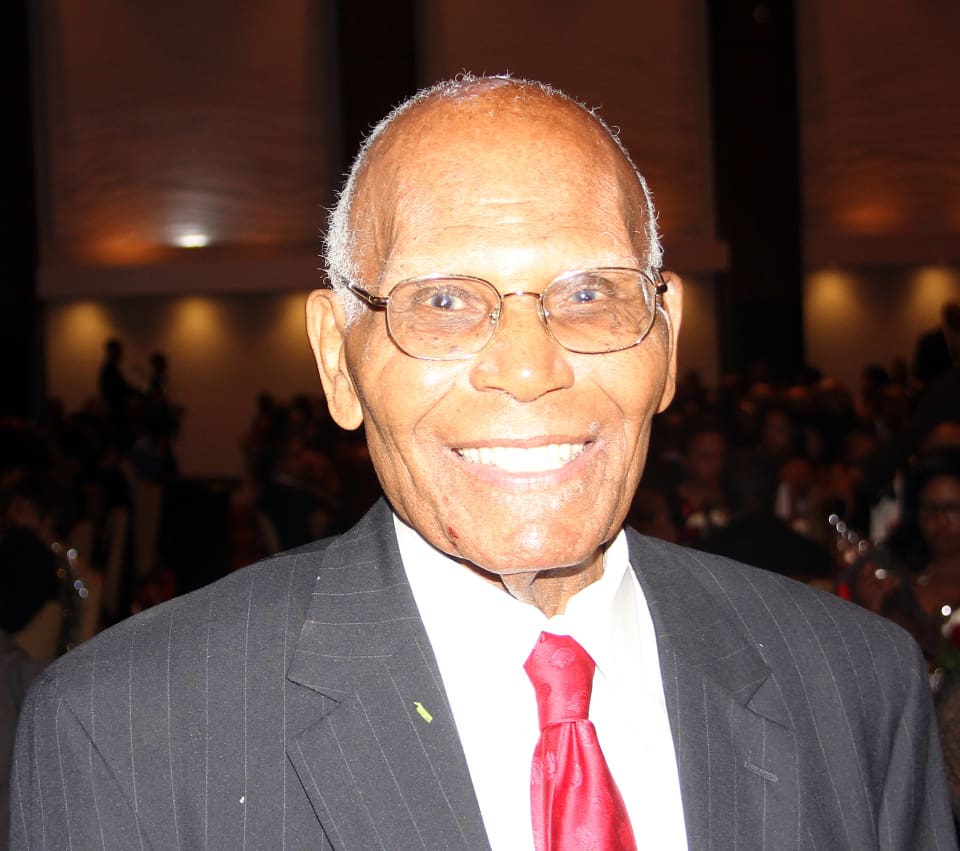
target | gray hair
[{"x": 340, "y": 261}]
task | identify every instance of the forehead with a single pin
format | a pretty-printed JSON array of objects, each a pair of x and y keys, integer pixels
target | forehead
[{"x": 513, "y": 163}]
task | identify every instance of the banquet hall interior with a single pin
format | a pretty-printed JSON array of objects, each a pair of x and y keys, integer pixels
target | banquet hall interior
[{"x": 169, "y": 169}]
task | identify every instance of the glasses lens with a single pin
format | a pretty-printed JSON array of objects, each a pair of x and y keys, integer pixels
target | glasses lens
[
  {"x": 600, "y": 310},
  {"x": 442, "y": 318}
]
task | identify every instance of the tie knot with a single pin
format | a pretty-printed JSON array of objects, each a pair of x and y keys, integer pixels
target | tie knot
[{"x": 562, "y": 675}]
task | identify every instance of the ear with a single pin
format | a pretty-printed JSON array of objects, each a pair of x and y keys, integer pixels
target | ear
[
  {"x": 326, "y": 328},
  {"x": 672, "y": 311}
]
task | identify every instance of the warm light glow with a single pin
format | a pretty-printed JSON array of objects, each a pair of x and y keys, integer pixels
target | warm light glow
[
  {"x": 830, "y": 293},
  {"x": 117, "y": 249},
  {"x": 197, "y": 326},
  {"x": 194, "y": 239},
  {"x": 74, "y": 337},
  {"x": 930, "y": 287},
  {"x": 284, "y": 325},
  {"x": 292, "y": 324},
  {"x": 83, "y": 325},
  {"x": 872, "y": 218}
]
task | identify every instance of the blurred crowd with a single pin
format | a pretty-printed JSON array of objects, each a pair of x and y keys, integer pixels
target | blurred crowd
[
  {"x": 804, "y": 477},
  {"x": 97, "y": 522},
  {"x": 856, "y": 490}
]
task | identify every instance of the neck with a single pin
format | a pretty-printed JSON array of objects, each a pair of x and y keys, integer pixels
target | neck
[{"x": 549, "y": 590}]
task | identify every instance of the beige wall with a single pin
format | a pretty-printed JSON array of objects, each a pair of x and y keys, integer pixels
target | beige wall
[
  {"x": 222, "y": 350},
  {"x": 698, "y": 348},
  {"x": 151, "y": 128},
  {"x": 159, "y": 120},
  {"x": 854, "y": 318}
]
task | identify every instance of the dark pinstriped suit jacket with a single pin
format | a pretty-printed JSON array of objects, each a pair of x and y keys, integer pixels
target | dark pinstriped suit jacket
[{"x": 277, "y": 709}]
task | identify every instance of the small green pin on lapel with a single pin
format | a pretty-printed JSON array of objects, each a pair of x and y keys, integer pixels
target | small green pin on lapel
[{"x": 422, "y": 711}]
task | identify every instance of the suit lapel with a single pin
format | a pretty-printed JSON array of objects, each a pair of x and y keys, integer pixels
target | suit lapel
[
  {"x": 382, "y": 763},
  {"x": 383, "y": 766},
  {"x": 736, "y": 750}
]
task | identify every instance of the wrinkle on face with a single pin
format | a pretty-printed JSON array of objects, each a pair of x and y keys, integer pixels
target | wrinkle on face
[
  {"x": 515, "y": 196},
  {"x": 394, "y": 204}
]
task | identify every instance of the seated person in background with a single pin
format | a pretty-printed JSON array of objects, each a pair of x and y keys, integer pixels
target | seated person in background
[
  {"x": 700, "y": 502},
  {"x": 914, "y": 578},
  {"x": 30, "y": 602},
  {"x": 50, "y": 597},
  {"x": 650, "y": 515},
  {"x": 756, "y": 535}
]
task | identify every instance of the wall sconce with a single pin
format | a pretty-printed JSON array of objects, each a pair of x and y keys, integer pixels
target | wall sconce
[{"x": 193, "y": 239}]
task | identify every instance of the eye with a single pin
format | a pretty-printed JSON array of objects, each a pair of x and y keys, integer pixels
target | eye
[
  {"x": 582, "y": 291},
  {"x": 453, "y": 299},
  {"x": 444, "y": 301},
  {"x": 441, "y": 298},
  {"x": 584, "y": 295}
]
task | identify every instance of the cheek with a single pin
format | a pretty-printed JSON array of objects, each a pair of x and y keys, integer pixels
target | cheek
[
  {"x": 400, "y": 398},
  {"x": 637, "y": 402}
]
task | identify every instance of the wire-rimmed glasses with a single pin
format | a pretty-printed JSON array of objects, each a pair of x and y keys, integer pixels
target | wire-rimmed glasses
[{"x": 587, "y": 311}]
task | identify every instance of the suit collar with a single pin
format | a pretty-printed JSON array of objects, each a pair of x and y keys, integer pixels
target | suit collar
[
  {"x": 735, "y": 744},
  {"x": 693, "y": 624},
  {"x": 379, "y": 774},
  {"x": 381, "y": 763},
  {"x": 361, "y": 610}
]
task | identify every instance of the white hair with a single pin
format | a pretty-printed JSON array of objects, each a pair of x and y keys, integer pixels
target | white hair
[{"x": 340, "y": 256}]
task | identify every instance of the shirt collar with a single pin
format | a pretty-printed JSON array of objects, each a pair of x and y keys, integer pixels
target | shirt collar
[{"x": 599, "y": 616}]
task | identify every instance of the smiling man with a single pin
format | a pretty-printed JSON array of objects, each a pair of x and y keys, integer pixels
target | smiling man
[
  {"x": 498, "y": 444},
  {"x": 489, "y": 659}
]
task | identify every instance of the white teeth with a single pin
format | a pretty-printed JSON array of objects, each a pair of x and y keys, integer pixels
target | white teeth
[{"x": 515, "y": 459}]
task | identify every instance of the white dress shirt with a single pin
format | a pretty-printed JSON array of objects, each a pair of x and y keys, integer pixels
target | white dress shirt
[{"x": 481, "y": 636}]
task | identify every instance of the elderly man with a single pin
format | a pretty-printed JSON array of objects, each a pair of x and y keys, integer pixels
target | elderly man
[{"x": 499, "y": 324}]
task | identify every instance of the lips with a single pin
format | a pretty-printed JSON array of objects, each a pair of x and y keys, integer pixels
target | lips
[{"x": 517, "y": 459}]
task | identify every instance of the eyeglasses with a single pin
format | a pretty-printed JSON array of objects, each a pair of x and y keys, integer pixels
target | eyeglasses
[{"x": 587, "y": 311}]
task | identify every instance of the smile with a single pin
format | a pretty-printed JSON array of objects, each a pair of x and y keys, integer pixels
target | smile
[{"x": 516, "y": 459}]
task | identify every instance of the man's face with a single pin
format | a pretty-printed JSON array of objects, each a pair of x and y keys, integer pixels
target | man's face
[
  {"x": 707, "y": 457},
  {"x": 938, "y": 515},
  {"x": 524, "y": 457}
]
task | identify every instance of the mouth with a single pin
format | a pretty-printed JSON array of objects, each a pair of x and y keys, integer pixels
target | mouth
[{"x": 523, "y": 459}]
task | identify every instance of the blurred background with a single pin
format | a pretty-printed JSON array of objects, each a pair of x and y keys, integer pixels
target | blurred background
[{"x": 170, "y": 165}]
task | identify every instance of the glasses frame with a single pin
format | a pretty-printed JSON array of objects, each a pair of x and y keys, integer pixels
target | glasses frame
[{"x": 381, "y": 303}]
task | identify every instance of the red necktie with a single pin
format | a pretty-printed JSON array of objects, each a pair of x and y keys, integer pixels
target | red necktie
[{"x": 575, "y": 803}]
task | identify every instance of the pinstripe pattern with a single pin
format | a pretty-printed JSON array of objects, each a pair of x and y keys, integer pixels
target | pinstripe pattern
[
  {"x": 800, "y": 721},
  {"x": 276, "y": 709}
]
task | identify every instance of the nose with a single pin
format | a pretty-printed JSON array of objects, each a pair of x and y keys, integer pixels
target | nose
[{"x": 522, "y": 359}]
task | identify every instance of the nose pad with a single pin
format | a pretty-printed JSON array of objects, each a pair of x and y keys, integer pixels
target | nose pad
[
  {"x": 517, "y": 309},
  {"x": 522, "y": 359}
]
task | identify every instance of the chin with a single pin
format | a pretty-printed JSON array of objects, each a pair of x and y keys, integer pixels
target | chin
[{"x": 515, "y": 555}]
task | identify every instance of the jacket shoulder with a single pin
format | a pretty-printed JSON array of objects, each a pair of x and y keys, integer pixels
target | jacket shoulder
[
  {"x": 265, "y": 602},
  {"x": 770, "y": 609}
]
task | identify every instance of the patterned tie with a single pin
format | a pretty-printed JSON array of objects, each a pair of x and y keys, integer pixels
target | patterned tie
[{"x": 575, "y": 803}]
